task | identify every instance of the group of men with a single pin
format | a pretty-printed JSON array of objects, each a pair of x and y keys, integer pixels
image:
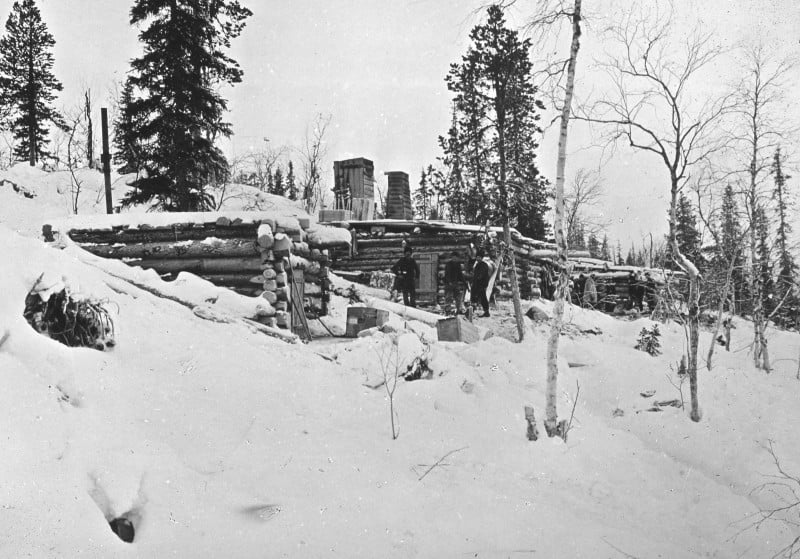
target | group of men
[
  {"x": 480, "y": 268},
  {"x": 642, "y": 289}
]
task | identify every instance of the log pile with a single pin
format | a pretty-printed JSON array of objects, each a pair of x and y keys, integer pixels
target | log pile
[{"x": 255, "y": 257}]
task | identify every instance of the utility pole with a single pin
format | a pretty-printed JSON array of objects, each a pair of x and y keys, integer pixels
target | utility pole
[{"x": 106, "y": 158}]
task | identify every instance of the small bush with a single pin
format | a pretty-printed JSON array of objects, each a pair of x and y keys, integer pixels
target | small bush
[
  {"x": 73, "y": 322},
  {"x": 649, "y": 341}
]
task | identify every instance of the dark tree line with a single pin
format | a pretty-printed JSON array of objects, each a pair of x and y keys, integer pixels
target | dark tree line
[
  {"x": 723, "y": 256},
  {"x": 275, "y": 179}
]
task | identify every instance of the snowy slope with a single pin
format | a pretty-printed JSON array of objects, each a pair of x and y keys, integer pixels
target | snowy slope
[{"x": 220, "y": 442}]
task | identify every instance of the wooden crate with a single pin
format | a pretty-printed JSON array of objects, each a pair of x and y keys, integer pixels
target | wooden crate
[
  {"x": 457, "y": 329},
  {"x": 361, "y": 318}
]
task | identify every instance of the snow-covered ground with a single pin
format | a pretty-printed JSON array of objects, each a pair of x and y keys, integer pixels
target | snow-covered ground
[{"x": 221, "y": 442}]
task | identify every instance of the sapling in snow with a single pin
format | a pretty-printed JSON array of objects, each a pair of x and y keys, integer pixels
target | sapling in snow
[
  {"x": 649, "y": 341},
  {"x": 391, "y": 369}
]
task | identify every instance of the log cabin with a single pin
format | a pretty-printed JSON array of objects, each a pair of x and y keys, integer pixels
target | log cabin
[
  {"x": 282, "y": 258},
  {"x": 377, "y": 244}
]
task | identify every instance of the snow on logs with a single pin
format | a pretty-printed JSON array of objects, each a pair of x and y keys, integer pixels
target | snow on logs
[{"x": 254, "y": 253}]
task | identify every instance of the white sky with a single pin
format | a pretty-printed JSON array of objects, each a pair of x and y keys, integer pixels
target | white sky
[{"x": 378, "y": 67}]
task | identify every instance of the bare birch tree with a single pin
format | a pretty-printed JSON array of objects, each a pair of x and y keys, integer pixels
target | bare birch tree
[
  {"x": 650, "y": 107},
  {"x": 729, "y": 261},
  {"x": 546, "y": 20},
  {"x": 585, "y": 192},
  {"x": 312, "y": 156},
  {"x": 761, "y": 108}
]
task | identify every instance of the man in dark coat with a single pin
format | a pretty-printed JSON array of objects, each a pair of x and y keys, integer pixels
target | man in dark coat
[
  {"x": 407, "y": 271},
  {"x": 650, "y": 292},
  {"x": 480, "y": 282},
  {"x": 635, "y": 291},
  {"x": 580, "y": 283},
  {"x": 454, "y": 284}
]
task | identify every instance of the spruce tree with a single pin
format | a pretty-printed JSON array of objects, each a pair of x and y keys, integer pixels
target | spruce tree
[
  {"x": 422, "y": 196},
  {"x": 764, "y": 260},
  {"x": 176, "y": 97},
  {"x": 729, "y": 252},
  {"x": 277, "y": 185},
  {"x": 687, "y": 234},
  {"x": 126, "y": 133},
  {"x": 453, "y": 158},
  {"x": 495, "y": 130},
  {"x": 593, "y": 246},
  {"x": 27, "y": 84},
  {"x": 605, "y": 250},
  {"x": 630, "y": 260},
  {"x": 787, "y": 268},
  {"x": 291, "y": 187}
]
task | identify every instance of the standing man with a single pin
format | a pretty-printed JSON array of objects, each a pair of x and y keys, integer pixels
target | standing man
[
  {"x": 590, "y": 292},
  {"x": 579, "y": 286},
  {"x": 407, "y": 271},
  {"x": 638, "y": 291},
  {"x": 480, "y": 282},
  {"x": 727, "y": 325},
  {"x": 651, "y": 292},
  {"x": 454, "y": 284}
]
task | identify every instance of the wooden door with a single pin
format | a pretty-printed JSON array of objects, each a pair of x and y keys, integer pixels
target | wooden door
[
  {"x": 297, "y": 298},
  {"x": 428, "y": 282}
]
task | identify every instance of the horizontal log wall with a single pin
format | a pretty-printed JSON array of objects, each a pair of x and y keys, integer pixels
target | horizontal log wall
[
  {"x": 379, "y": 254},
  {"x": 221, "y": 248},
  {"x": 248, "y": 259}
]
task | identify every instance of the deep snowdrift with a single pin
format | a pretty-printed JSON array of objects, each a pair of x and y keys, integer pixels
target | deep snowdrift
[{"x": 220, "y": 442}]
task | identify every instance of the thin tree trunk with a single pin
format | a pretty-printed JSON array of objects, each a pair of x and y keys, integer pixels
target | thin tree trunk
[
  {"x": 89, "y": 128},
  {"x": 551, "y": 395},
  {"x": 31, "y": 117},
  {"x": 514, "y": 283},
  {"x": 500, "y": 109},
  {"x": 760, "y": 356},
  {"x": 693, "y": 303},
  {"x": 720, "y": 311}
]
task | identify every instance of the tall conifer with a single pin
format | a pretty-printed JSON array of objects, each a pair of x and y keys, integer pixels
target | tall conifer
[
  {"x": 787, "y": 268},
  {"x": 27, "y": 84},
  {"x": 496, "y": 128},
  {"x": 177, "y": 102}
]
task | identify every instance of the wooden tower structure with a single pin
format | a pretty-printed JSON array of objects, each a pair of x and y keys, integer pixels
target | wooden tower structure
[
  {"x": 398, "y": 196},
  {"x": 354, "y": 187}
]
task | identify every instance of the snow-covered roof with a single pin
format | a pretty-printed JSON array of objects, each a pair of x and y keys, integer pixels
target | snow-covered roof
[
  {"x": 161, "y": 219},
  {"x": 427, "y": 224}
]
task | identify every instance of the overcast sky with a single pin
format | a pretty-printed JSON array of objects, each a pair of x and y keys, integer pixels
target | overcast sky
[{"x": 378, "y": 67}]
